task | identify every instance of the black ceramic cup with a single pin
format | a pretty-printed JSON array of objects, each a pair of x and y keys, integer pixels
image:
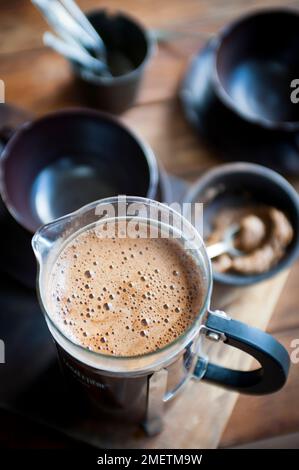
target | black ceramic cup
[
  {"x": 129, "y": 47},
  {"x": 237, "y": 91},
  {"x": 58, "y": 163},
  {"x": 235, "y": 185},
  {"x": 256, "y": 59}
]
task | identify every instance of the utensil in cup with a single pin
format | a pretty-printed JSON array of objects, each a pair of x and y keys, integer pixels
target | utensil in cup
[
  {"x": 129, "y": 48},
  {"x": 237, "y": 185}
]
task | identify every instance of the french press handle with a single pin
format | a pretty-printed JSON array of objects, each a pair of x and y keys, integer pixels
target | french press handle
[{"x": 272, "y": 356}]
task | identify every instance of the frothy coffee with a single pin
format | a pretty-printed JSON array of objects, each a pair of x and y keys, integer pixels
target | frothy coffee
[{"x": 124, "y": 296}]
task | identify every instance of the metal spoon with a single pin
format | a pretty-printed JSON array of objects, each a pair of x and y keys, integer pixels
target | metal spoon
[
  {"x": 226, "y": 245},
  {"x": 66, "y": 26},
  {"x": 82, "y": 19},
  {"x": 74, "y": 53},
  {"x": 62, "y": 23}
]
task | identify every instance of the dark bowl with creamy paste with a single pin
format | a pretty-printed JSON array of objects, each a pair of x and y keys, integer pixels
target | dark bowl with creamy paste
[{"x": 237, "y": 185}]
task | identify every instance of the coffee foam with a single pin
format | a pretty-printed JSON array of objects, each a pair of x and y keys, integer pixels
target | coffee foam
[{"x": 124, "y": 296}]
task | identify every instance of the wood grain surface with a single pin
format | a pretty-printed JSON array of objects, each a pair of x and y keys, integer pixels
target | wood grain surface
[{"x": 40, "y": 80}]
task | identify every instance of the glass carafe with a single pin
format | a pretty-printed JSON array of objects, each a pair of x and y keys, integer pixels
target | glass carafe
[{"x": 137, "y": 387}]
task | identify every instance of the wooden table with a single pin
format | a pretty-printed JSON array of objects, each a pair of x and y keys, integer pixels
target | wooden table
[{"x": 40, "y": 80}]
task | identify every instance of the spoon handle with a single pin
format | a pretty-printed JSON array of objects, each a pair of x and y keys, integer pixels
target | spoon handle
[
  {"x": 81, "y": 18},
  {"x": 73, "y": 53},
  {"x": 63, "y": 23},
  {"x": 217, "y": 249}
]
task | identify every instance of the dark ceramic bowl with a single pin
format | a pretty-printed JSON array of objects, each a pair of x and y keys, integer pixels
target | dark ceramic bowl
[
  {"x": 60, "y": 162},
  {"x": 256, "y": 59},
  {"x": 128, "y": 40},
  {"x": 237, "y": 90},
  {"x": 237, "y": 184}
]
